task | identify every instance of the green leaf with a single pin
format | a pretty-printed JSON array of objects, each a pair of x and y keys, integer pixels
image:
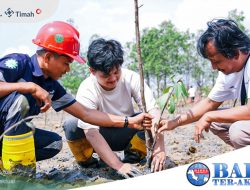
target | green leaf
[
  {"x": 177, "y": 91},
  {"x": 167, "y": 90},
  {"x": 183, "y": 89},
  {"x": 161, "y": 100},
  {"x": 171, "y": 105}
]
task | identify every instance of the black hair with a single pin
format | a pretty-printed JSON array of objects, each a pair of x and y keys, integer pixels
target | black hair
[
  {"x": 103, "y": 55},
  {"x": 42, "y": 51},
  {"x": 226, "y": 37}
]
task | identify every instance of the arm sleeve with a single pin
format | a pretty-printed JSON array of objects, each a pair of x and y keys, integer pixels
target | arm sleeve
[
  {"x": 226, "y": 87},
  {"x": 87, "y": 98},
  {"x": 61, "y": 99},
  {"x": 12, "y": 67}
]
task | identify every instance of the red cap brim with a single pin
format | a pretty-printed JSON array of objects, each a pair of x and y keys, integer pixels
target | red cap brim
[{"x": 79, "y": 59}]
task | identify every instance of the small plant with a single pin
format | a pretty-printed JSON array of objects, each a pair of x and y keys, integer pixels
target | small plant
[{"x": 171, "y": 96}]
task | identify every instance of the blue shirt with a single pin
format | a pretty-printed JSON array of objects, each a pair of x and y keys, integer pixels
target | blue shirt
[{"x": 22, "y": 68}]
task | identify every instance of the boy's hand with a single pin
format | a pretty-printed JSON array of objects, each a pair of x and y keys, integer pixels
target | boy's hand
[{"x": 140, "y": 121}]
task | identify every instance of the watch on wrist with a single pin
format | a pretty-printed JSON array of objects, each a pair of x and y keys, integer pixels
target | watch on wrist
[{"x": 126, "y": 122}]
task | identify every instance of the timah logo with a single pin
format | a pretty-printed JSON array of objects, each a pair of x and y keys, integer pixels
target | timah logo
[
  {"x": 17, "y": 13},
  {"x": 9, "y": 12},
  {"x": 198, "y": 174}
]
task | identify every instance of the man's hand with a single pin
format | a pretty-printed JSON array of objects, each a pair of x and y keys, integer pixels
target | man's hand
[
  {"x": 158, "y": 161},
  {"x": 42, "y": 97},
  {"x": 129, "y": 171},
  {"x": 140, "y": 121},
  {"x": 202, "y": 124},
  {"x": 167, "y": 125}
]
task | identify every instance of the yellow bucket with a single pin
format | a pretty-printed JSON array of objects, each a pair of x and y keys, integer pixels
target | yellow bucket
[{"x": 18, "y": 152}]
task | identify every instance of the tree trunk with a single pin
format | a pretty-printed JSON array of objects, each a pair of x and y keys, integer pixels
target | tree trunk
[{"x": 148, "y": 137}]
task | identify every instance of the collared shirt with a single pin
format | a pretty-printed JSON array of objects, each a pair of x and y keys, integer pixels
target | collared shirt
[
  {"x": 228, "y": 87},
  {"x": 22, "y": 68}
]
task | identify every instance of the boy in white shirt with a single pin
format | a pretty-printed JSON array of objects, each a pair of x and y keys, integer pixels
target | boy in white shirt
[{"x": 111, "y": 89}]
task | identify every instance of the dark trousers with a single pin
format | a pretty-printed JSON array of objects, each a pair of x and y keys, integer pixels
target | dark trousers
[{"x": 117, "y": 138}]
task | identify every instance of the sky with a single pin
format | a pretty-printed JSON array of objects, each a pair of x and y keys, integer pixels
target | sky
[{"x": 114, "y": 19}]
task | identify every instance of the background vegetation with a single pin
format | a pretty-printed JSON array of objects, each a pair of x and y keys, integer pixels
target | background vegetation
[{"x": 166, "y": 52}]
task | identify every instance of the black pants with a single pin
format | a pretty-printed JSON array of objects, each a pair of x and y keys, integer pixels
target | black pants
[
  {"x": 47, "y": 144},
  {"x": 117, "y": 138}
]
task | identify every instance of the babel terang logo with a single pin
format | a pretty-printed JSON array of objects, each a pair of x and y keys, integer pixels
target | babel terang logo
[
  {"x": 236, "y": 174},
  {"x": 198, "y": 174},
  {"x": 231, "y": 175}
]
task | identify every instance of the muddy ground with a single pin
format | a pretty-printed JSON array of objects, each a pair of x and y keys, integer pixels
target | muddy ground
[{"x": 61, "y": 171}]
